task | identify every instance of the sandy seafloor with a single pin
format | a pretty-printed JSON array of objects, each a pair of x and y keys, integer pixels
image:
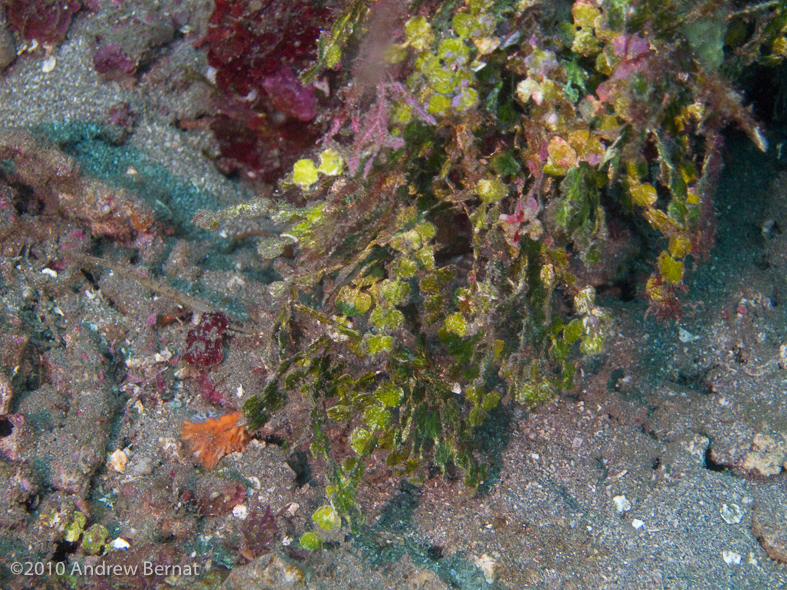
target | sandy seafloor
[{"x": 663, "y": 468}]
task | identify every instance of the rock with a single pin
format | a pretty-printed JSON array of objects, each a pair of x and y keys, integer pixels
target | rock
[
  {"x": 769, "y": 525},
  {"x": 6, "y": 395},
  {"x": 10, "y": 443},
  {"x": 73, "y": 414},
  {"x": 18, "y": 486},
  {"x": 141, "y": 467},
  {"x": 7, "y": 48},
  {"x": 488, "y": 566},
  {"x": 768, "y": 455},
  {"x": 270, "y": 572},
  {"x": 56, "y": 185},
  {"x": 19, "y": 359}
]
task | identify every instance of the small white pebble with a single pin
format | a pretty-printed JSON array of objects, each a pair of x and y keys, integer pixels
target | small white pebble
[
  {"x": 118, "y": 461},
  {"x": 487, "y": 564},
  {"x": 49, "y": 272},
  {"x": 731, "y": 558},
  {"x": 210, "y": 74},
  {"x": 235, "y": 280},
  {"x": 119, "y": 543},
  {"x": 162, "y": 357},
  {"x": 622, "y": 503},
  {"x": 686, "y": 336},
  {"x": 48, "y": 64},
  {"x": 240, "y": 511},
  {"x": 637, "y": 523},
  {"x": 731, "y": 514}
]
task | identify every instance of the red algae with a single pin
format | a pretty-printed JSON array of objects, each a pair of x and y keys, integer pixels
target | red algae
[
  {"x": 266, "y": 114},
  {"x": 204, "y": 346},
  {"x": 46, "y": 21}
]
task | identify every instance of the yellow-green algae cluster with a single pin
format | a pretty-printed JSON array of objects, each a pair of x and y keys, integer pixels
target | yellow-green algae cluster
[{"x": 424, "y": 286}]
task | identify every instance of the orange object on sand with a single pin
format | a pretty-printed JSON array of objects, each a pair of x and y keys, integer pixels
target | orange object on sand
[{"x": 211, "y": 439}]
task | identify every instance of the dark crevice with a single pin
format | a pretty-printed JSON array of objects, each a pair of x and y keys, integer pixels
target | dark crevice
[
  {"x": 62, "y": 550},
  {"x": 764, "y": 88},
  {"x": 626, "y": 289},
  {"x": 90, "y": 278},
  {"x": 27, "y": 202},
  {"x": 272, "y": 439},
  {"x": 696, "y": 378},
  {"x": 713, "y": 465},
  {"x": 614, "y": 377},
  {"x": 434, "y": 552},
  {"x": 31, "y": 503},
  {"x": 299, "y": 463},
  {"x": 6, "y": 428},
  {"x": 648, "y": 430}
]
